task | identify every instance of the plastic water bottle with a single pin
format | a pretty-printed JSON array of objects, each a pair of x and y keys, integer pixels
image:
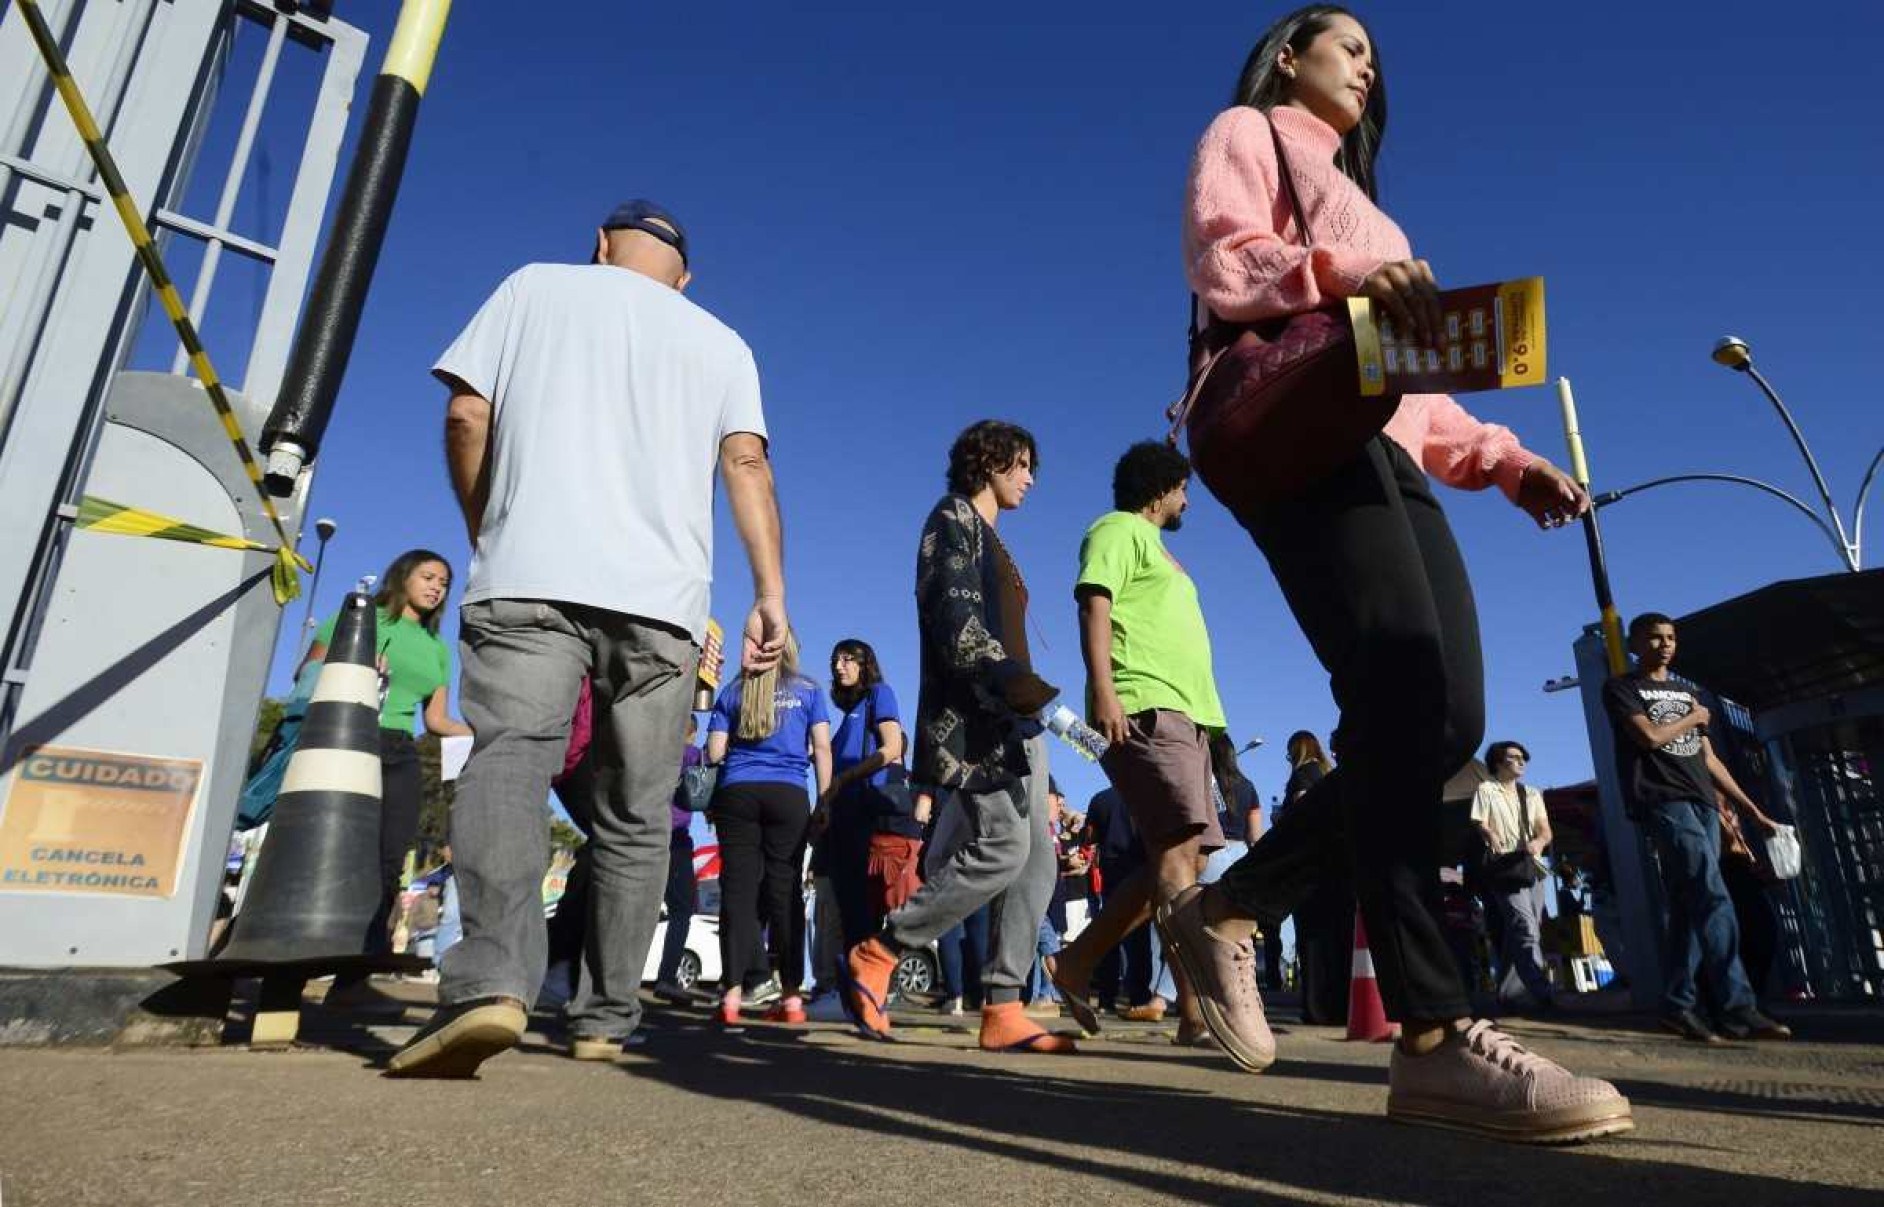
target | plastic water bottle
[
  {"x": 1065, "y": 724},
  {"x": 1090, "y": 744}
]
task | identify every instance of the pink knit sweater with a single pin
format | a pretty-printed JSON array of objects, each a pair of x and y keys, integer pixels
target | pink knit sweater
[{"x": 1246, "y": 261}]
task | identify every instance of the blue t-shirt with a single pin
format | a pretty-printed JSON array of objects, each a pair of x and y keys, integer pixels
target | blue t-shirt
[
  {"x": 856, "y": 737},
  {"x": 782, "y": 758}
]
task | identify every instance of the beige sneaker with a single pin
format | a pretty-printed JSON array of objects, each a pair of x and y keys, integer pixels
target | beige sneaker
[
  {"x": 461, "y": 1037},
  {"x": 584, "y": 1047},
  {"x": 1481, "y": 1080},
  {"x": 1224, "y": 976}
]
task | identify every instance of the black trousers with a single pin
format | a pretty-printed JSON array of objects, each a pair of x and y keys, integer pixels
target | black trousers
[
  {"x": 1369, "y": 567},
  {"x": 762, "y": 854},
  {"x": 400, "y": 791},
  {"x": 679, "y": 901}
]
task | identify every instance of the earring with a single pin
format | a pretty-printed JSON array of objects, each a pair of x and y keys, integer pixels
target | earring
[{"x": 1289, "y": 71}]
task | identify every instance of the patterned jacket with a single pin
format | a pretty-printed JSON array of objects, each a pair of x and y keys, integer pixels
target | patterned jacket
[{"x": 967, "y": 737}]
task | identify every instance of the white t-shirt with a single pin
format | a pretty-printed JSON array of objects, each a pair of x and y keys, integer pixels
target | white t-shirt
[
  {"x": 1500, "y": 813},
  {"x": 610, "y": 395}
]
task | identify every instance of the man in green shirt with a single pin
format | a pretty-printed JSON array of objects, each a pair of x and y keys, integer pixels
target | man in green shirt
[{"x": 1151, "y": 694}]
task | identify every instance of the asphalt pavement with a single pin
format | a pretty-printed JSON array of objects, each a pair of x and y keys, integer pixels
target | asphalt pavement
[{"x": 814, "y": 1116}]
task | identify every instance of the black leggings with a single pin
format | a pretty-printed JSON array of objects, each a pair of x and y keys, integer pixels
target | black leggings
[
  {"x": 400, "y": 790},
  {"x": 762, "y": 856},
  {"x": 1369, "y": 567}
]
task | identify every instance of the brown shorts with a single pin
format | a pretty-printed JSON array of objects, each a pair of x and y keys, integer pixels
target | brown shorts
[{"x": 1162, "y": 770}]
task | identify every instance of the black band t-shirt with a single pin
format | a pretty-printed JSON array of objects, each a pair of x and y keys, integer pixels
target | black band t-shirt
[{"x": 1676, "y": 771}]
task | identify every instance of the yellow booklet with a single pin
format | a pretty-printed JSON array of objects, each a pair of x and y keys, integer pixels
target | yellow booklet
[{"x": 1494, "y": 339}]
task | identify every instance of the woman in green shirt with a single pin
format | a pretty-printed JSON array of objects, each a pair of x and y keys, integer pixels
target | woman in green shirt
[{"x": 415, "y": 671}]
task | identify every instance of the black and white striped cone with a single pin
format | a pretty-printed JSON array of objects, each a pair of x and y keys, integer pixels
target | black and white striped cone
[{"x": 316, "y": 886}]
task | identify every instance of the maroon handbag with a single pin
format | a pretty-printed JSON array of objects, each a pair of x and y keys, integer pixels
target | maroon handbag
[{"x": 1272, "y": 407}]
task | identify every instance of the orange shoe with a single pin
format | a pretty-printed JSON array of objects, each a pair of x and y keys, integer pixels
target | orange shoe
[
  {"x": 726, "y": 1014},
  {"x": 786, "y": 1010},
  {"x": 1151, "y": 1012},
  {"x": 1006, "y": 1028},
  {"x": 867, "y": 972}
]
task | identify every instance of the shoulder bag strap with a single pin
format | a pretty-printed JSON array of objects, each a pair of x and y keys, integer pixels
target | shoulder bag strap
[{"x": 1203, "y": 357}]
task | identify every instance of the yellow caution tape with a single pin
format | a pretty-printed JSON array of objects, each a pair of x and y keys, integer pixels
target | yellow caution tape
[
  {"x": 102, "y": 515},
  {"x": 132, "y": 217}
]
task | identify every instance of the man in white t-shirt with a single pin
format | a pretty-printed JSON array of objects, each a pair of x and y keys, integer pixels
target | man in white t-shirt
[
  {"x": 590, "y": 407},
  {"x": 1511, "y": 819}
]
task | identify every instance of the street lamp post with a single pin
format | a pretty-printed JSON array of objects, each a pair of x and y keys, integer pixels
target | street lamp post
[
  {"x": 1733, "y": 352},
  {"x": 324, "y": 529}
]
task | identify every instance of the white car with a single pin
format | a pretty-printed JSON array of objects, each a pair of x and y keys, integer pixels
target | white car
[{"x": 699, "y": 962}]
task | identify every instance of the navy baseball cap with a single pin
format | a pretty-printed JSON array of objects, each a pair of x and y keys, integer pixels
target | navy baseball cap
[{"x": 645, "y": 216}]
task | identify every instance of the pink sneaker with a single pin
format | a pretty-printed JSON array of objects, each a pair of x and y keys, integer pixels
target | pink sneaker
[
  {"x": 1481, "y": 1080},
  {"x": 1224, "y": 976}
]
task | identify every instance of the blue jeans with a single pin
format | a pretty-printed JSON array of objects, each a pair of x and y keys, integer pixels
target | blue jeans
[
  {"x": 1702, "y": 933},
  {"x": 1047, "y": 944}
]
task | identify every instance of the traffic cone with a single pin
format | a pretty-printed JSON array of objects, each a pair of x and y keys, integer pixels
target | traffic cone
[
  {"x": 1367, "y": 1014},
  {"x": 316, "y": 885}
]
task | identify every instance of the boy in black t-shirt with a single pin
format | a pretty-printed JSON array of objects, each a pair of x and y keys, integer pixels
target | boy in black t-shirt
[{"x": 1670, "y": 774}]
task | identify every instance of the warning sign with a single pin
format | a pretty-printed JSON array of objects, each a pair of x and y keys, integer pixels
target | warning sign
[{"x": 89, "y": 821}]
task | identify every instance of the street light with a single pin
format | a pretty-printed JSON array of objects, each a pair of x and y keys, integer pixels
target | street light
[
  {"x": 1732, "y": 352},
  {"x": 1248, "y": 746},
  {"x": 324, "y": 529},
  {"x": 1563, "y": 684}
]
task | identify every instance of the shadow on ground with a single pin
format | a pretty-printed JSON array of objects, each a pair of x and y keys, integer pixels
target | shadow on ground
[{"x": 1114, "y": 1131}]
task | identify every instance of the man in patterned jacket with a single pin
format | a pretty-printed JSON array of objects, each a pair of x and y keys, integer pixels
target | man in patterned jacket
[{"x": 977, "y": 739}]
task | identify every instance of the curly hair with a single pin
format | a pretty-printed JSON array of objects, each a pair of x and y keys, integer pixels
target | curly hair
[
  {"x": 985, "y": 449},
  {"x": 1147, "y": 472}
]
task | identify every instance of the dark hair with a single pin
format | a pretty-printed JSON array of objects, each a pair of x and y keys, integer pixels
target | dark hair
[
  {"x": 1147, "y": 472},
  {"x": 1495, "y": 752},
  {"x": 1305, "y": 746},
  {"x": 1263, "y": 86},
  {"x": 1647, "y": 621},
  {"x": 391, "y": 596},
  {"x": 871, "y": 676},
  {"x": 985, "y": 449}
]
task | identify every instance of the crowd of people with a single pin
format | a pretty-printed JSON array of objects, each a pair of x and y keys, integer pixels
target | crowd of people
[{"x": 595, "y": 586}]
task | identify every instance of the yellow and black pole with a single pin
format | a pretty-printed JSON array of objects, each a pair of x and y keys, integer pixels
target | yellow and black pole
[
  {"x": 167, "y": 296},
  {"x": 318, "y": 361},
  {"x": 1592, "y": 534}
]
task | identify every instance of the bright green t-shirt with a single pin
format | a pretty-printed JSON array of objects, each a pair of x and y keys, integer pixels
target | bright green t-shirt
[
  {"x": 417, "y": 664},
  {"x": 1160, "y": 649}
]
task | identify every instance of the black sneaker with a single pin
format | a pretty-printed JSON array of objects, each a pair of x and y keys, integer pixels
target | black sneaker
[
  {"x": 1691, "y": 1026},
  {"x": 672, "y": 994},
  {"x": 1750, "y": 1024}
]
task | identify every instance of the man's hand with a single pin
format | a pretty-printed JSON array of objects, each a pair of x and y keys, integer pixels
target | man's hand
[
  {"x": 819, "y": 821},
  {"x": 1108, "y": 715},
  {"x": 1551, "y": 497},
  {"x": 1700, "y": 716},
  {"x": 925, "y": 808},
  {"x": 764, "y": 638}
]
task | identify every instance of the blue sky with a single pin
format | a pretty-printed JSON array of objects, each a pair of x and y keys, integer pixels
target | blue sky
[{"x": 919, "y": 218}]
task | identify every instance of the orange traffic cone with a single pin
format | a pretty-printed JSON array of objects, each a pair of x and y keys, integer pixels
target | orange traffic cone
[{"x": 1367, "y": 1014}]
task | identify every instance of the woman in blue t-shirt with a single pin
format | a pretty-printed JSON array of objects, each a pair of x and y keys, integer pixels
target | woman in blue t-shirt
[
  {"x": 766, "y": 730},
  {"x": 872, "y": 843}
]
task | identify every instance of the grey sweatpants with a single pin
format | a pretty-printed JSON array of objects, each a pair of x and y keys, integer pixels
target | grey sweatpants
[
  {"x": 523, "y": 663},
  {"x": 984, "y": 850}
]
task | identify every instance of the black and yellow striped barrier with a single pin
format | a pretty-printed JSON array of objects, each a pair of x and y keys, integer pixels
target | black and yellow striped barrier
[
  {"x": 102, "y": 515},
  {"x": 286, "y": 559}
]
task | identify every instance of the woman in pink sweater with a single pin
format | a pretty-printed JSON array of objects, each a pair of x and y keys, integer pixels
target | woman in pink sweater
[{"x": 1370, "y": 569}]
